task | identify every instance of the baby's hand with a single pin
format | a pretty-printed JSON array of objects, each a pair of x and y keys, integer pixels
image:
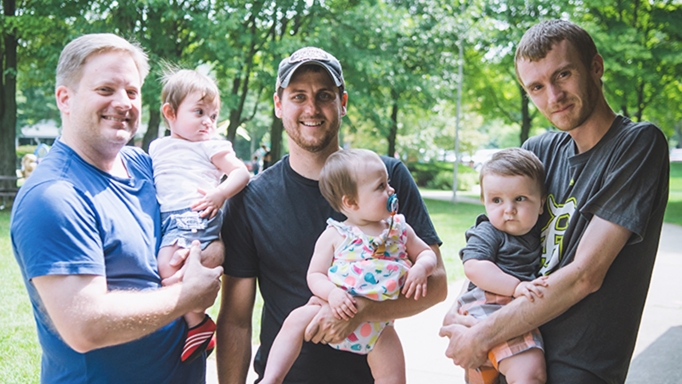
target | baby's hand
[
  {"x": 531, "y": 289},
  {"x": 210, "y": 204},
  {"x": 416, "y": 282},
  {"x": 342, "y": 304}
]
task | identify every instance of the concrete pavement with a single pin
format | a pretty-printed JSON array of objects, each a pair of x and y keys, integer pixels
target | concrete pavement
[{"x": 658, "y": 351}]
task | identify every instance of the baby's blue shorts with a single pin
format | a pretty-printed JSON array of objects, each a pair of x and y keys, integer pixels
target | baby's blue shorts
[{"x": 183, "y": 226}]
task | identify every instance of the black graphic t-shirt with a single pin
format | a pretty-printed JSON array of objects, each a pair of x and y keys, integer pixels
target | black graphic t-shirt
[{"x": 624, "y": 180}]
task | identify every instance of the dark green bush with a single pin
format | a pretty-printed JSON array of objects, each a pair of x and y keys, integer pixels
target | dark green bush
[{"x": 439, "y": 175}]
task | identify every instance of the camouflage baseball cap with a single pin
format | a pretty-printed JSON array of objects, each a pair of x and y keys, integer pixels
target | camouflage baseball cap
[{"x": 309, "y": 55}]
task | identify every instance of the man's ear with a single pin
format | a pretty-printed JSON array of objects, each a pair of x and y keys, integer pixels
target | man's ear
[
  {"x": 168, "y": 112},
  {"x": 344, "y": 103},
  {"x": 278, "y": 106},
  {"x": 542, "y": 205},
  {"x": 63, "y": 96},
  {"x": 597, "y": 69}
]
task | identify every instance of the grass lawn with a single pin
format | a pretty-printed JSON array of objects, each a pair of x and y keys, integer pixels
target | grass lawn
[
  {"x": 18, "y": 341},
  {"x": 673, "y": 213},
  {"x": 19, "y": 348}
]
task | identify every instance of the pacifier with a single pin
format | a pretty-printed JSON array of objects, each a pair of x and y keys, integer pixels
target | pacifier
[{"x": 392, "y": 203}]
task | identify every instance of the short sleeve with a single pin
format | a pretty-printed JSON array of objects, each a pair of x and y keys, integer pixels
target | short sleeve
[
  {"x": 482, "y": 243},
  {"x": 55, "y": 232},
  {"x": 240, "y": 250},
  {"x": 214, "y": 147},
  {"x": 632, "y": 182}
]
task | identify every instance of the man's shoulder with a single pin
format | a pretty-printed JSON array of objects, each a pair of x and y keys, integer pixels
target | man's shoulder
[
  {"x": 263, "y": 188},
  {"x": 391, "y": 162},
  {"x": 137, "y": 158},
  {"x": 629, "y": 128},
  {"x": 546, "y": 138}
]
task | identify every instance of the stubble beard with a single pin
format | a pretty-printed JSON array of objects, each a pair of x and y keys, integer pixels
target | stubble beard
[
  {"x": 313, "y": 145},
  {"x": 587, "y": 108}
]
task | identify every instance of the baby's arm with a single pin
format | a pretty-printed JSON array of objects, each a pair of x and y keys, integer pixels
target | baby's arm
[
  {"x": 341, "y": 302},
  {"x": 237, "y": 178},
  {"x": 424, "y": 262},
  {"x": 489, "y": 277}
]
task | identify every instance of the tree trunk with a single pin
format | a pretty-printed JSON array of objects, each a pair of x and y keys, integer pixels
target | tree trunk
[
  {"x": 393, "y": 131},
  {"x": 526, "y": 120},
  {"x": 276, "y": 138},
  {"x": 152, "y": 127},
  {"x": 8, "y": 112}
]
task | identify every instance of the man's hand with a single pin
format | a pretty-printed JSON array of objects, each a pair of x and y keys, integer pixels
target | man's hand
[
  {"x": 462, "y": 348},
  {"x": 201, "y": 284},
  {"x": 454, "y": 317},
  {"x": 177, "y": 260},
  {"x": 326, "y": 328}
]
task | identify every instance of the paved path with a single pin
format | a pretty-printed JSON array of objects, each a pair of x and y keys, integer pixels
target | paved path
[{"x": 659, "y": 344}]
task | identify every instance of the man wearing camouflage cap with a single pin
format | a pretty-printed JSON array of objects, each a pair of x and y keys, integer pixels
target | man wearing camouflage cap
[{"x": 271, "y": 227}]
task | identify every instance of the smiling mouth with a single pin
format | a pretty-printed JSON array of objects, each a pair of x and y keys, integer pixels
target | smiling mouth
[
  {"x": 117, "y": 119},
  {"x": 311, "y": 123},
  {"x": 563, "y": 109}
]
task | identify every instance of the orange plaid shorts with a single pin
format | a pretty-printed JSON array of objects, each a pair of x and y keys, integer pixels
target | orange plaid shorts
[{"x": 481, "y": 304}]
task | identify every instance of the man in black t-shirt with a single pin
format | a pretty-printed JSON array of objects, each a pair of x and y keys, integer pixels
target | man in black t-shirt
[
  {"x": 271, "y": 227},
  {"x": 607, "y": 181}
]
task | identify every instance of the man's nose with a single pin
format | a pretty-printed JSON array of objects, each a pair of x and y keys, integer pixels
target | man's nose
[
  {"x": 121, "y": 100},
  {"x": 556, "y": 93}
]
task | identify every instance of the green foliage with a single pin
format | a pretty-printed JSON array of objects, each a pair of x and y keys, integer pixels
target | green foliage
[
  {"x": 642, "y": 49},
  {"x": 423, "y": 173},
  {"x": 25, "y": 149},
  {"x": 439, "y": 175},
  {"x": 400, "y": 61}
]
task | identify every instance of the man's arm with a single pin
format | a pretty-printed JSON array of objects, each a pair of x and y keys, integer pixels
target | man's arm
[
  {"x": 89, "y": 316},
  {"x": 325, "y": 327},
  {"x": 234, "y": 329},
  {"x": 468, "y": 347}
]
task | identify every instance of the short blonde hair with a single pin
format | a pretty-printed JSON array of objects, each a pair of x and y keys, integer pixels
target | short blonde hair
[
  {"x": 515, "y": 162},
  {"x": 178, "y": 83},
  {"x": 75, "y": 54},
  {"x": 338, "y": 177}
]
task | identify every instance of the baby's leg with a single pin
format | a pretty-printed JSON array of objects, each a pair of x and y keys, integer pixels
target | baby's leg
[
  {"x": 163, "y": 260},
  {"x": 526, "y": 367},
  {"x": 287, "y": 344},
  {"x": 387, "y": 360},
  {"x": 167, "y": 270}
]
